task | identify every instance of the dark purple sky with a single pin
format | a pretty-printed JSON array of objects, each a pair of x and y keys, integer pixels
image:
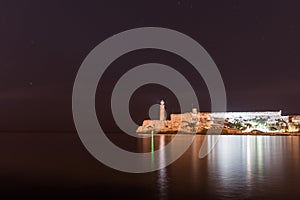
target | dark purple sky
[{"x": 255, "y": 44}]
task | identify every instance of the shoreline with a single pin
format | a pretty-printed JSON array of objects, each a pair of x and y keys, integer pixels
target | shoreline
[{"x": 246, "y": 134}]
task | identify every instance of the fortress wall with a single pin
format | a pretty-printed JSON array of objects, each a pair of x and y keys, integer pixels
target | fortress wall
[
  {"x": 205, "y": 120},
  {"x": 176, "y": 118},
  {"x": 296, "y": 118},
  {"x": 156, "y": 125},
  {"x": 245, "y": 115}
]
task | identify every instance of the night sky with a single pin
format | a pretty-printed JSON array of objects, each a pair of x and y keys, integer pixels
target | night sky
[{"x": 255, "y": 45}]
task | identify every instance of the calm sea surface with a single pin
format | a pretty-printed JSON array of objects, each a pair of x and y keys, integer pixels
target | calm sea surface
[{"x": 56, "y": 165}]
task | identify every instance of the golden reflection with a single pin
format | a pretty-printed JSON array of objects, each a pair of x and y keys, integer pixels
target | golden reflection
[
  {"x": 236, "y": 163},
  {"x": 162, "y": 180}
]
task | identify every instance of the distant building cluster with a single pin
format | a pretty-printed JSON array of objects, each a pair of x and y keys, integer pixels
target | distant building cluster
[{"x": 230, "y": 122}]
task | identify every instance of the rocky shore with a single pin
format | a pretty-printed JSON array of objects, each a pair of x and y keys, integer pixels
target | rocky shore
[{"x": 231, "y": 133}]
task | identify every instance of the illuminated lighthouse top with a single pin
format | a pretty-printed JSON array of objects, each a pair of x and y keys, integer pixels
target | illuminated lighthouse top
[{"x": 162, "y": 112}]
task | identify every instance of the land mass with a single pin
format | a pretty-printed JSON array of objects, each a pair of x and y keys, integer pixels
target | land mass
[{"x": 225, "y": 123}]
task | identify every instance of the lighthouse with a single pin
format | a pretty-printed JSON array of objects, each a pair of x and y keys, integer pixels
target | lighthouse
[{"x": 162, "y": 114}]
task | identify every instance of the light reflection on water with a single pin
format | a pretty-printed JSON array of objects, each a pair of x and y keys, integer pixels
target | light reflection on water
[
  {"x": 239, "y": 167},
  {"x": 243, "y": 167},
  {"x": 162, "y": 181}
]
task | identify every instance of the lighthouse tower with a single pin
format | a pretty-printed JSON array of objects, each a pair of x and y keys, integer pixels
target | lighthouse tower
[{"x": 162, "y": 114}]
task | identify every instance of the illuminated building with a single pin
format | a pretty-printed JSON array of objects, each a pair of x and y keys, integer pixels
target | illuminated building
[{"x": 232, "y": 122}]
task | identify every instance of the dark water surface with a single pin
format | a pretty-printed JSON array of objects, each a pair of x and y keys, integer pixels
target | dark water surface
[{"x": 56, "y": 165}]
